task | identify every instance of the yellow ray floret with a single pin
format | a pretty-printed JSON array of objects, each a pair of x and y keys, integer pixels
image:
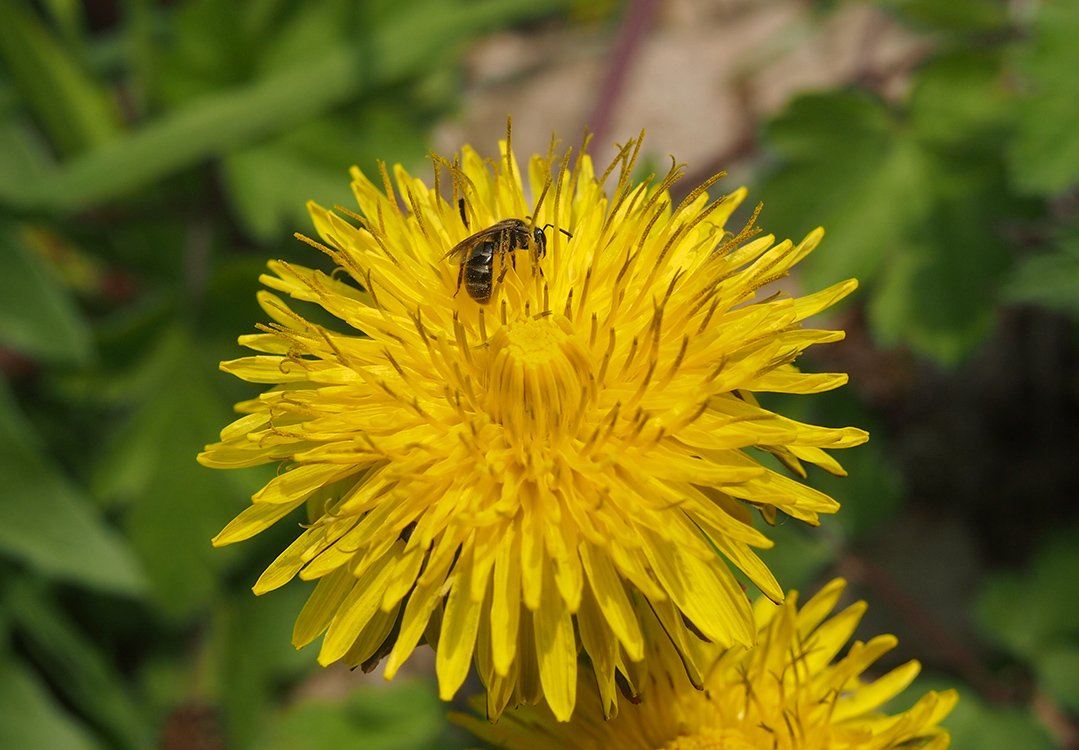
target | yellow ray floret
[
  {"x": 521, "y": 479},
  {"x": 790, "y": 692}
]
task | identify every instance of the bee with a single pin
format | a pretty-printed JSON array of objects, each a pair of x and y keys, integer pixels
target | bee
[{"x": 477, "y": 253}]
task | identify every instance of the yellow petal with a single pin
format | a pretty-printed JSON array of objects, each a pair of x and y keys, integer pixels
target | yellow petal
[{"x": 556, "y": 652}]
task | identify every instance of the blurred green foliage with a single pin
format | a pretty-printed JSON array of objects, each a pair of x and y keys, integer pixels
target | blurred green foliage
[
  {"x": 977, "y": 724},
  {"x": 151, "y": 163},
  {"x": 923, "y": 198},
  {"x": 913, "y": 197}
]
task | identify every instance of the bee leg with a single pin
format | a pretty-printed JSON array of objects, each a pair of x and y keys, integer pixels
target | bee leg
[
  {"x": 460, "y": 278},
  {"x": 505, "y": 266},
  {"x": 536, "y": 255}
]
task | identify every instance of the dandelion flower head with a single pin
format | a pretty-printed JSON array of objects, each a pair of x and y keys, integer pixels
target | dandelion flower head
[
  {"x": 787, "y": 693},
  {"x": 519, "y": 480}
]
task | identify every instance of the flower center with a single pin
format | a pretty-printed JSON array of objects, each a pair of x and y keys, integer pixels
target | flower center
[
  {"x": 539, "y": 376},
  {"x": 711, "y": 740},
  {"x": 533, "y": 342}
]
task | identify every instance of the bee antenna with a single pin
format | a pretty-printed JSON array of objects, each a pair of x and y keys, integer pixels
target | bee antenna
[{"x": 563, "y": 231}]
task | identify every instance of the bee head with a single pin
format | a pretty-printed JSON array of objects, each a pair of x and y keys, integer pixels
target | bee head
[{"x": 541, "y": 241}]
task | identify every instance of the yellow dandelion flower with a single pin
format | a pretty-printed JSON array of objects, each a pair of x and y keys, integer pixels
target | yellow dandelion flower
[
  {"x": 514, "y": 479},
  {"x": 786, "y": 693}
]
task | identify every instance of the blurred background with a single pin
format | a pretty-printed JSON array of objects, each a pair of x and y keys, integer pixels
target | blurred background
[{"x": 154, "y": 155}]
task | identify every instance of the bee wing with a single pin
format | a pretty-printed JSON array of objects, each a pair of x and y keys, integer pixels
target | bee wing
[{"x": 461, "y": 250}]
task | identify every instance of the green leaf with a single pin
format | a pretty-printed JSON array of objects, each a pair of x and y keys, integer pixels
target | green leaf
[
  {"x": 845, "y": 166},
  {"x": 75, "y": 112},
  {"x": 271, "y": 183},
  {"x": 1050, "y": 279},
  {"x": 175, "y": 505},
  {"x": 24, "y": 158},
  {"x": 1045, "y": 153},
  {"x": 254, "y": 655},
  {"x": 48, "y": 524},
  {"x": 31, "y": 718},
  {"x": 939, "y": 295},
  {"x": 912, "y": 201},
  {"x": 408, "y": 42},
  {"x": 966, "y": 16},
  {"x": 962, "y": 102},
  {"x": 1031, "y": 613},
  {"x": 207, "y": 51},
  {"x": 974, "y": 724},
  {"x": 206, "y": 127},
  {"x": 286, "y": 35},
  {"x": 67, "y": 15},
  {"x": 1058, "y": 674},
  {"x": 82, "y": 674},
  {"x": 400, "y": 716},
  {"x": 37, "y": 314}
]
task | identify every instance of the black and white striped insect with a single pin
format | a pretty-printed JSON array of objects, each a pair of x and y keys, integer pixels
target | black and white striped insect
[{"x": 477, "y": 253}]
